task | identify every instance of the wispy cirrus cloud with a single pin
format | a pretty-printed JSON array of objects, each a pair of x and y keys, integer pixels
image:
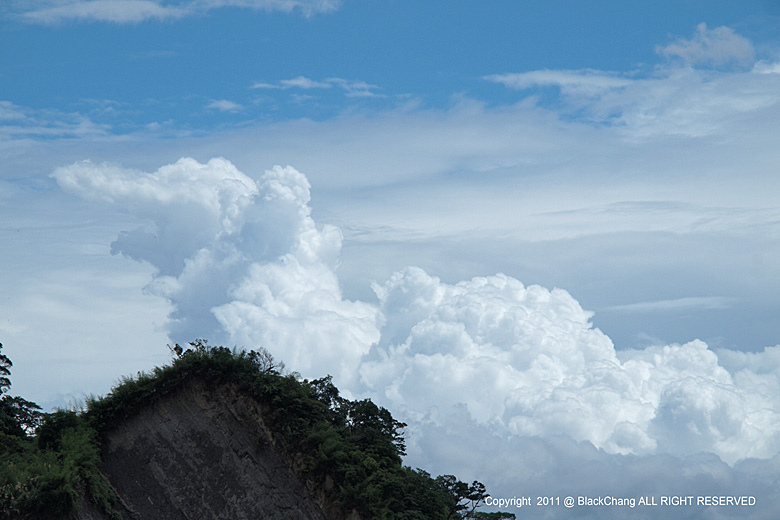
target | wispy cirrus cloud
[
  {"x": 303, "y": 82},
  {"x": 111, "y": 11},
  {"x": 678, "y": 304},
  {"x": 18, "y": 122},
  {"x": 586, "y": 82},
  {"x": 351, "y": 88},
  {"x": 135, "y": 11},
  {"x": 692, "y": 95},
  {"x": 355, "y": 88}
]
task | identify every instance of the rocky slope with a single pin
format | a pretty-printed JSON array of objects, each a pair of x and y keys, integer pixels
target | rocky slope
[{"x": 202, "y": 453}]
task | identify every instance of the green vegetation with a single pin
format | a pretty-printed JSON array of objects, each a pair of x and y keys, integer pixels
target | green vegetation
[
  {"x": 47, "y": 461},
  {"x": 350, "y": 450}
]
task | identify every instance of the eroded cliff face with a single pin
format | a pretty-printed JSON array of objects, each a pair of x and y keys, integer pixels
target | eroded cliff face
[{"x": 202, "y": 453}]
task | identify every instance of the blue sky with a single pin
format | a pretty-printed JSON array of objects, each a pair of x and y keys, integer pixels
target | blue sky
[
  {"x": 174, "y": 68},
  {"x": 515, "y": 224}
]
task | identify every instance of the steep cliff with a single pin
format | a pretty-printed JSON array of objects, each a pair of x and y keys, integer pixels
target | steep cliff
[
  {"x": 203, "y": 452},
  {"x": 218, "y": 434}
]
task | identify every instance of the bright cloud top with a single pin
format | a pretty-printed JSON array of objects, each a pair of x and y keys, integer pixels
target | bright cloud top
[
  {"x": 241, "y": 260},
  {"x": 135, "y": 11}
]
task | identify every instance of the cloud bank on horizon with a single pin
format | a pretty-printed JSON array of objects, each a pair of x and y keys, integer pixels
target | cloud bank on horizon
[{"x": 242, "y": 261}]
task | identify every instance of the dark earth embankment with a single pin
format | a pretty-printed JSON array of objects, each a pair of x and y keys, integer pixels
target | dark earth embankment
[{"x": 203, "y": 453}]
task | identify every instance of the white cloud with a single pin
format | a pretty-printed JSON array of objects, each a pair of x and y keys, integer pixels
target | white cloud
[
  {"x": 135, "y": 11},
  {"x": 515, "y": 373},
  {"x": 673, "y": 101},
  {"x": 686, "y": 103},
  {"x": 224, "y": 105},
  {"x": 354, "y": 88},
  {"x": 351, "y": 88},
  {"x": 294, "y": 300},
  {"x": 580, "y": 82},
  {"x": 556, "y": 466},
  {"x": 188, "y": 204},
  {"x": 18, "y": 122},
  {"x": 303, "y": 83},
  {"x": 527, "y": 362},
  {"x": 672, "y": 198},
  {"x": 306, "y": 7},
  {"x": 240, "y": 260},
  {"x": 766, "y": 67},
  {"x": 677, "y": 304},
  {"x": 114, "y": 11},
  {"x": 711, "y": 47},
  {"x": 10, "y": 112},
  {"x": 680, "y": 102},
  {"x": 300, "y": 82}
]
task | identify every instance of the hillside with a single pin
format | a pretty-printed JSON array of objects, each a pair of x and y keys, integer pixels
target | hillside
[
  {"x": 203, "y": 453},
  {"x": 218, "y": 434}
]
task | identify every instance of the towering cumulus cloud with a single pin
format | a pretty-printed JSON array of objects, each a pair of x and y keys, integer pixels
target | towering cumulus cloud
[
  {"x": 240, "y": 260},
  {"x": 510, "y": 383}
]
